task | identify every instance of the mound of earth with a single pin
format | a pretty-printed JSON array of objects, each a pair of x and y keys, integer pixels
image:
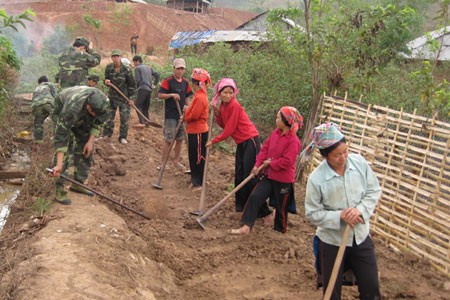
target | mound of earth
[
  {"x": 155, "y": 24},
  {"x": 95, "y": 249}
]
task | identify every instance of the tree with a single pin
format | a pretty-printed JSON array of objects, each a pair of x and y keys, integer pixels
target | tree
[
  {"x": 95, "y": 25},
  {"x": 9, "y": 62}
]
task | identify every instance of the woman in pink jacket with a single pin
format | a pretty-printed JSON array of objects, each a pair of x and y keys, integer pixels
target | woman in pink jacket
[
  {"x": 277, "y": 158},
  {"x": 230, "y": 115}
]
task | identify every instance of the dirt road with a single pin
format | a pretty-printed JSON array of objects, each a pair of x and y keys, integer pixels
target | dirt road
[{"x": 94, "y": 249}]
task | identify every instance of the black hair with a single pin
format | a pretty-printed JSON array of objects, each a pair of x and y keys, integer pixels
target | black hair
[
  {"x": 137, "y": 58},
  {"x": 195, "y": 81},
  {"x": 284, "y": 120},
  {"x": 220, "y": 91},
  {"x": 42, "y": 79},
  {"x": 326, "y": 151}
]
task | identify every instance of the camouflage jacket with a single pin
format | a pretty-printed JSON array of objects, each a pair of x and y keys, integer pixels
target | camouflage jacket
[
  {"x": 70, "y": 115},
  {"x": 123, "y": 80},
  {"x": 74, "y": 65},
  {"x": 44, "y": 93}
]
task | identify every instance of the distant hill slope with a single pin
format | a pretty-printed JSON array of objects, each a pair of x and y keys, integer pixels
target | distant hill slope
[{"x": 155, "y": 24}]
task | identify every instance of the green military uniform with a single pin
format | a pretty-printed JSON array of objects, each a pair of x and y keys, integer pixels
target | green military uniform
[
  {"x": 74, "y": 65},
  {"x": 73, "y": 121},
  {"x": 41, "y": 107},
  {"x": 123, "y": 79}
]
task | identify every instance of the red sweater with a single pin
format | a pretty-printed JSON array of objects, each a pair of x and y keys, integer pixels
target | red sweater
[
  {"x": 235, "y": 123},
  {"x": 283, "y": 150},
  {"x": 196, "y": 115}
]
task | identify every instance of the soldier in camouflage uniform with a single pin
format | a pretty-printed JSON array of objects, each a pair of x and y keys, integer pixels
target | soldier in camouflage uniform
[
  {"x": 93, "y": 80},
  {"x": 122, "y": 77},
  {"x": 42, "y": 106},
  {"x": 75, "y": 62},
  {"x": 80, "y": 113}
]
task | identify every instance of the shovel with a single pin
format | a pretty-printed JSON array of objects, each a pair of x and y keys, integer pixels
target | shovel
[
  {"x": 213, "y": 209},
  {"x": 337, "y": 264},
  {"x": 157, "y": 184},
  {"x": 151, "y": 123},
  {"x": 99, "y": 194},
  {"x": 201, "y": 206}
]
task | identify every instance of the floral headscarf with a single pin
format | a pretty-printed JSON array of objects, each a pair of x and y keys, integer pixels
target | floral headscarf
[
  {"x": 224, "y": 82},
  {"x": 202, "y": 76},
  {"x": 323, "y": 136},
  {"x": 293, "y": 117}
]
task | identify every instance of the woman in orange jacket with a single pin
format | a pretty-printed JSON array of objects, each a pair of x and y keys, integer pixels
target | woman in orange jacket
[{"x": 196, "y": 117}]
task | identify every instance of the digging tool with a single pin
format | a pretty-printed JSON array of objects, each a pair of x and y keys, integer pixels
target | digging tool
[
  {"x": 157, "y": 184},
  {"x": 201, "y": 206},
  {"x": 337, "y": 264},
  {"x": 185, "y": 133},
  {"x": 151, "y": 123},
  {"x": 99, "y": 194},
  {"x": 213, "y": 209}
]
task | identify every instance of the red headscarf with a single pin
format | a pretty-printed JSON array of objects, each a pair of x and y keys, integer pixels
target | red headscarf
[
  {"x": 202, "y": 76},
  {"x": 222, "y": 83},
  {"x": 293, "y": 117}
]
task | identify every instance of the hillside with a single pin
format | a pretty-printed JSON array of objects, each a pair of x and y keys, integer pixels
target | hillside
[
  {"x": 94, "y": 249},
  {"x": 155, "y": 24}
]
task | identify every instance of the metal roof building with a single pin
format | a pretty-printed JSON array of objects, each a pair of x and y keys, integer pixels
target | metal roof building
[
  {"x": 421, "y": 49},
  {"x": 187, "y": 38}
]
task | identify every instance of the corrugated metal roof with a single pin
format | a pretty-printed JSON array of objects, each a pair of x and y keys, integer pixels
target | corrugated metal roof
[
  {"x": 420, "y": 47},
  {"x": 187, "y": 38}
]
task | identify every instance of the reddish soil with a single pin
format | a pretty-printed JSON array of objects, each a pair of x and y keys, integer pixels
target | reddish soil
[
  {"x": 155, "y": 24},
  {"x": 94, "y": 249}
]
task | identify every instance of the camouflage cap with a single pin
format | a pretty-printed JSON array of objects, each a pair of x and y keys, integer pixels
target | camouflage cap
[
  {"x": 99, "y": 103},
  {"x": 116, "y": 52},
  {"x": 94, "y": 77},
  {"x": 81, "y": 41}
]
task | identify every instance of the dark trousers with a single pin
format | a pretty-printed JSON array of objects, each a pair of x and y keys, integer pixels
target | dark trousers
[
  {"x": 245, "y": 161},
  {"x": 197, "y": 155},
  {"x": 78, "y": 138},
  {"x": 280, "y": 195},
  {"x": 361, "y": 259},
  {"x": 143, "y": 104}
]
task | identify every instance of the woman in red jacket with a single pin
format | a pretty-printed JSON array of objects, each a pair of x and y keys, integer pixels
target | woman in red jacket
[
  {"x": 196, "y": 117},
  {"x": 277, "y": 156},
  {"x": 236, "y": 124}
]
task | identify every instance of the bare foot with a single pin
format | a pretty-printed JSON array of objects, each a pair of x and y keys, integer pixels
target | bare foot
[{"x": 243, "y": 230}]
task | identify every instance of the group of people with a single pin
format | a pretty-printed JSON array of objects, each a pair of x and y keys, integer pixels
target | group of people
[
  {"x": 82, "y": 112},
  {"x": 342, "y": 191}
]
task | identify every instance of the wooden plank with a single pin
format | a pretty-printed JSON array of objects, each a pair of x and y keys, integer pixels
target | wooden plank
[{"x": 4, "y": 175}]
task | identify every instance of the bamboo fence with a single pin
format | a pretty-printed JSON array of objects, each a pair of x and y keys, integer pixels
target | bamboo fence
[{"x": 410, "y": 155}]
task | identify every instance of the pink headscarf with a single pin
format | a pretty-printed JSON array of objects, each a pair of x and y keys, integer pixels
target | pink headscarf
[
  {"x": 224, "y": 82},
  {"x": 293, "y": 117}
]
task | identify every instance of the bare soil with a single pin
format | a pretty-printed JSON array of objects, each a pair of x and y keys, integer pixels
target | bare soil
[{"x": 94, "y": 249}]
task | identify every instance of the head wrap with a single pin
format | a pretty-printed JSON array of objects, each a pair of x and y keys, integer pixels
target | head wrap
[
  {"x": 323, "y": 136},
  {"x": 224, "y": 82},
  {"x": 202, "y": 76},
  {"x": 293, "y": 118}
]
